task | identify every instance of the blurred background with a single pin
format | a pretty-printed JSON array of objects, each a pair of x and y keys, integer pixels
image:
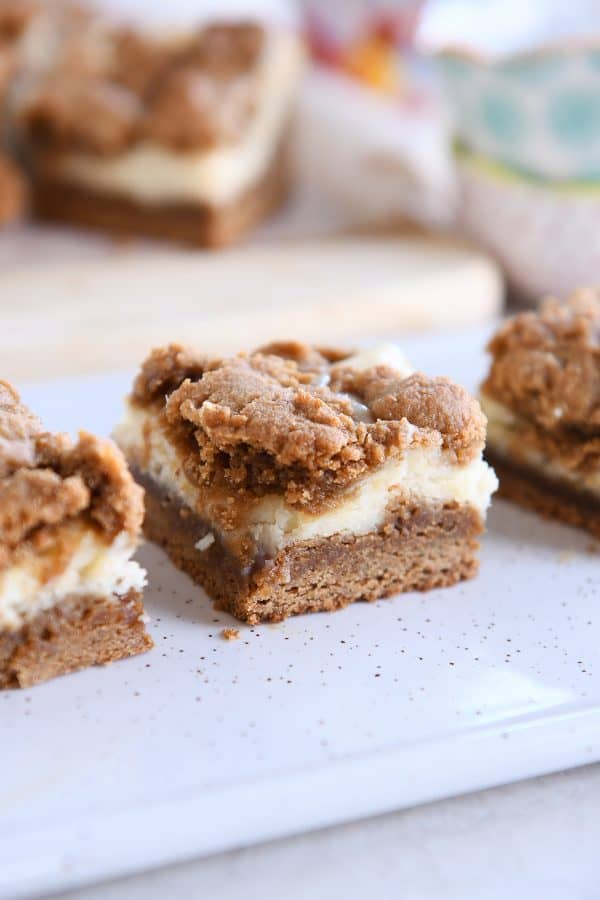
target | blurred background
[{"x": 441, "y": 155}]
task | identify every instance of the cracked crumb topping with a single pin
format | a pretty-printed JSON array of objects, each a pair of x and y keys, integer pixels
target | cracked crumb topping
[
  {"x": 546, "y": 365},
  {"x": 190, "y": 93},
  {"x": 296, "y": 420},
  {"x": 46, "y": 480}
]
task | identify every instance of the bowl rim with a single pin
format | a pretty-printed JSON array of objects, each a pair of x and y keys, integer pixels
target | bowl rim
[
  {"x": 498, "y": 170},
  {"x": 558, "y": 47}
]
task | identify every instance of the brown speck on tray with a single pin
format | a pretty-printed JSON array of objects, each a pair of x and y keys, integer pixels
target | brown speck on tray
[{"x": 230, "y": 634}]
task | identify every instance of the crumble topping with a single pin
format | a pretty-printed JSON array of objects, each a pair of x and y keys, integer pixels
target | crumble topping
[
  {"x": 192, "y": 93},
  {"x": 138, "y": 63},
  {"x": 434, "y": 404},
  {"x": 46, "y": 480},
  {"x": 165, "y": 369},
  {"x": 18, "y": 428},
  {"x": 230, "y": 634},
  {"x": 221, "y": 51},
  {"x": 286, "y": 419},
  {"x": 33, "y": 497},
  {"x": 305, "y": 357},
  {"x": 546, "y": 366},
  {"x": 191, "y": 109},
  {"x": 83, "y": 114},
  {"x": 225, "y": 50}
]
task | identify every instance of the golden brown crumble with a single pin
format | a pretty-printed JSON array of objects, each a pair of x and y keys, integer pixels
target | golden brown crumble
[
  {"x": 225, "y": 50},
  {"x": 46, "y": 480},
  {"x": 546, "y": 366},
  {"x": 81, "y": 114},
  {"x": 165, "y": 369},
  {"x": 33, "y": 497},
  {"x": 230, "y": 634},
  {"x": 189, "y": 93},
  {"x": 311, "y": 358},
  {"x": 139, "y": 63},
  {"x": 288, "y": 421},
  {"x": 189, "y": 110},
  {"x": 222, "y": 51},
  {"x": 435, "y": 404},
  {"x": 18, "y": 428}
]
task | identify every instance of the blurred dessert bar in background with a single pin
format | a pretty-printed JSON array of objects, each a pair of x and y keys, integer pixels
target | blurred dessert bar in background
[
  {"x": 70, "y": 520},
  {"x": 295, "y": 479},
  {"x": 179, "y": 135},
  {"x": 35, "y": 37},
  {"x": 542, "y": 400}
]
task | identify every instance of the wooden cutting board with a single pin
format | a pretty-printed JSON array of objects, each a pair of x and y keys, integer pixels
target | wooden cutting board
[{"x": 63, "y": 319}]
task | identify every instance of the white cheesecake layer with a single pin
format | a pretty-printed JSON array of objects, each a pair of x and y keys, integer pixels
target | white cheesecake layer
[
  {"x": 95, "y": 569},
  {"x": 386, "y": 354},
  {"x": 423, "y": 473},
  {"x": 503, "y": 430},
  {"x": 150, "y": 173}
]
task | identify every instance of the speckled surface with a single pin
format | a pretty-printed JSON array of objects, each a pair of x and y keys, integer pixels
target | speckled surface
[{"x": 205, "y": 743}]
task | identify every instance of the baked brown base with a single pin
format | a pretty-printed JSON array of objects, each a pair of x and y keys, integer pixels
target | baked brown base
[
  {"x": 196, "y": 224},
  {"x": 80, "y": 632},
  {"x": 418, "y": 549},
  {"x": 550, "y": 498}
]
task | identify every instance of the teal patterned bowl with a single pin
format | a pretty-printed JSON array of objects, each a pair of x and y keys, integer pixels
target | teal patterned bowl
[
  {"x": 537, "y": 112},
  {"x": 523, "y": 80}
]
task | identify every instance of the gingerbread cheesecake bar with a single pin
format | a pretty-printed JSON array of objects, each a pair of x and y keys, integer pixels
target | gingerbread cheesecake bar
[
  {"x": 542, "y": 400},
  {"x": 172, "y": 136},
  {"x": 70, "y": 520},
  {"x": 296, "y": 479}
]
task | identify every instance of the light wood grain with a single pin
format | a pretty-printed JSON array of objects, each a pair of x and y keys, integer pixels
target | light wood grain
[{"x": 89, "y": 316}]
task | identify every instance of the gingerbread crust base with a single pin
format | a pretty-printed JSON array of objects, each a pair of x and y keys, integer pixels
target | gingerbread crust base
[
  {"x": 80, "y": 632},
  {"x": 545, "y": 496},
  {"x": 423, "y": 547},
  {"x": 195, "y": 224}
]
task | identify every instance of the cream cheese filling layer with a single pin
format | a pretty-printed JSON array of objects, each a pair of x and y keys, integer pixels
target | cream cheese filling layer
[
  {"x": 95, "y": 569},
  {"x": 503, "y": 431},
  {"x": 150, "y": 173}
]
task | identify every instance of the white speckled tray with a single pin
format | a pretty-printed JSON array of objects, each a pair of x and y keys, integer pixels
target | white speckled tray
[{"x": 205, "y": 744}]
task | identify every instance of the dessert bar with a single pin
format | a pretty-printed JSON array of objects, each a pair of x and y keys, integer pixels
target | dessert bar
[
  {"x": 296, "y": 479},
  {"x": 70, "y": 520},
  {"x": 542, "y": 400},
  {"x": 175, "y": 136}
]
